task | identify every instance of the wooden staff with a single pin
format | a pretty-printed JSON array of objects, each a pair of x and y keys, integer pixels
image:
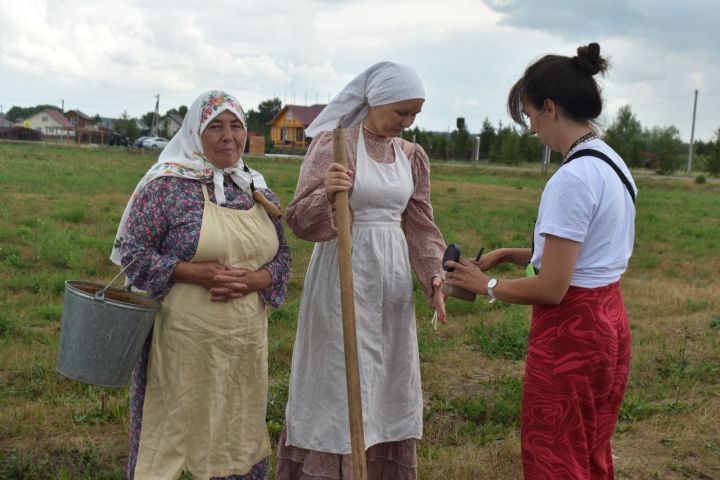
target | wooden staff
[{"x": 347, "y": 298}]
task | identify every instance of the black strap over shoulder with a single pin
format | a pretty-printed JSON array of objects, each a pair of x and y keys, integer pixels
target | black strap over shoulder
[{"x": 588, "y": 152}]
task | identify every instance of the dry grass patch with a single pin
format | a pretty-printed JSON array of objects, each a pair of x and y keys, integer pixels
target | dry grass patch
[{"x": 676, "y": 447}]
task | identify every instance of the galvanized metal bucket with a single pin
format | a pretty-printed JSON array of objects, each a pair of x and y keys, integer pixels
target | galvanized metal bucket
[{"x": 102, "y": 332}]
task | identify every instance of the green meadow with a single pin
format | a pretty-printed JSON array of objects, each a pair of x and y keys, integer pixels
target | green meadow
[{"x": 59, "y": 209}]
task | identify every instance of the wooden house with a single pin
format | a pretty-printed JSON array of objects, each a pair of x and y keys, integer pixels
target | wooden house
[
  {"x": 78, "y": 119},
  {"x": 287, "y": 128}
]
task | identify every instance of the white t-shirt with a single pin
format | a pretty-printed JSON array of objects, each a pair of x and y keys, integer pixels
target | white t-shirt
[{"x": 585, "y": 201}]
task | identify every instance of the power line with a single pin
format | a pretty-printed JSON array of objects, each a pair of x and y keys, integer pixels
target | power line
[
  {"x": 663, "y": 101},
  {"x": 84, "y": 105}
]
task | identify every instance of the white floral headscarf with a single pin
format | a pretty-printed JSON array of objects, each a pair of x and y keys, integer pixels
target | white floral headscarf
[
  {"x": 184, "y": 156},
  {"x": 381, "y": 84}
]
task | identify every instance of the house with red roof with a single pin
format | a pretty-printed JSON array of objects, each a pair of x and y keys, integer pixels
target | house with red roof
[
  {"x": 287, "y": 128},
  {"x": 51, "y": 123}
]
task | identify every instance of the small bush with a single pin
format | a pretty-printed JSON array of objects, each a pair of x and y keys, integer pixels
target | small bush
[
  {"x": 700, "y": 179},
  {"x": 635, "y": 408},
  {"x": 11, "y": 257},
  {"x": 55, "y": 247},
  {"x": 51, "y": 312},
  {"x": 6, "y": 327},
  {"x": 72, "y": 214},
  {"x": 696, "y": 305}
]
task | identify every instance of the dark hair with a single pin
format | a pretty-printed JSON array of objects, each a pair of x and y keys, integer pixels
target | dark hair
[{"x": 567, "y": 81}]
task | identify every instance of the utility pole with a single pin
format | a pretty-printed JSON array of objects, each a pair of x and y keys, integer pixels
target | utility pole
[
  {"x": 546, "y": 160},
  {"x": 156, "y": 116},
  {"x": 62, "y": 102},
  {"x": 692, "y": 135}
]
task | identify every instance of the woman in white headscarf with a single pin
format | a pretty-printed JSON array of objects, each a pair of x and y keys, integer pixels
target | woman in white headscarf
[
  {"x": 392, "y": 232},
  {"x": 193, "y": 237}
]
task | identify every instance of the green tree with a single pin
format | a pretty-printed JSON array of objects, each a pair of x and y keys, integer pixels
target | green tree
[
  {"x": 460, "y": 143},
  {"x": 487, "y": 136},
  {"x": 531, "y": 150},
  {"x": 507, "y": 147},
  {"x": 147, "y": 118},
  {"x": 625, "y": 136},
  {"x": 127, "y": 127},
  {"x": 16, "y": 113},
  {"x": 666, "y": 143},
  {"x": 712, "y": 158},
  {"x": 258, "y": 119}
]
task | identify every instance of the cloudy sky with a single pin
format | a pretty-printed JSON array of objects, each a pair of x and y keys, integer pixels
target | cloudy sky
[{"x": 110, "y": 57}]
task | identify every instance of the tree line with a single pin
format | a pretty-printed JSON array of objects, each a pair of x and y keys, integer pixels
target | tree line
[{"x": 657, "y": 148}]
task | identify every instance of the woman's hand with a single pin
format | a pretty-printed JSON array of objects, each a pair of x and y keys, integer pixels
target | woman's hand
[
  {"x": 493, "y": 259},
  {"x": 238, "y": 282},
  {"x": 468, "y": 275},
  {"x": 224, "y": 283},
  {"x": 438, "y": 299},
  {"x": 337, "y": 179},
  {"x": 518, "y": 256}
]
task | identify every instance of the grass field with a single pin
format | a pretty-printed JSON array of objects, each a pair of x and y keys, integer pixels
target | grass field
[{"x": 59, "y": 209}]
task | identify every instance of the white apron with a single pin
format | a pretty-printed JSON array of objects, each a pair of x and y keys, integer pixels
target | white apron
[
  {"x": 206, "y": 395},
  {"x": 317, "y": 412}
]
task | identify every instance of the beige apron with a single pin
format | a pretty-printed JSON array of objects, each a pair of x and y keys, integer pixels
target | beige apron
[{"x": 206, "y": 394}]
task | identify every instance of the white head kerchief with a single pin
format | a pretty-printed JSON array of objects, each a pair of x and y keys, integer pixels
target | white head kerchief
[
  {"x": 383, "y": 83},
  {"x": 184, "y": 156}
]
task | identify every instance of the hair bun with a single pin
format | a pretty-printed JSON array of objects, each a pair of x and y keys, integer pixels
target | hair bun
[{"x": 589, "y": 60}]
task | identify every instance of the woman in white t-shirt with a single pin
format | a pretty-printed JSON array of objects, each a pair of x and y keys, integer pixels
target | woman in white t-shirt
[{"x": 579, "y": 344}]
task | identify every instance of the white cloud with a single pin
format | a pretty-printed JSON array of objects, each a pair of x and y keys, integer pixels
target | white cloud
[{"x": 109, "y": 55}]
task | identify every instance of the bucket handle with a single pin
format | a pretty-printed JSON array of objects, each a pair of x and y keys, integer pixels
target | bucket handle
[{"x": 100, "y": 295}]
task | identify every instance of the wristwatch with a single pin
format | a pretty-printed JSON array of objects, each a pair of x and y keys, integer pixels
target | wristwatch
[{"x": 492, "y": 283}]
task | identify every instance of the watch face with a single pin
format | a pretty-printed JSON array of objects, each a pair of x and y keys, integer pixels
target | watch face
[{"x": 492, "y": 283}]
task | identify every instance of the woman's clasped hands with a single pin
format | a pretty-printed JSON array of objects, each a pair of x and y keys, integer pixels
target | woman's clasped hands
[{"x": 224, "y": 283}]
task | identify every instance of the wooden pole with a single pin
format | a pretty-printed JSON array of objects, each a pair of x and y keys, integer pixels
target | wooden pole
[{"x": 347, "y": 297}]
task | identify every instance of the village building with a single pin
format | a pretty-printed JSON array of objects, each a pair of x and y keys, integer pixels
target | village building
[
  {"x": 287, "y": 128},
  {"x": 169, "y": 124},
  {"x": 51, "y": 123},
  {"x": 78, "y": 119},
  {"x": 4, "y": 122}
]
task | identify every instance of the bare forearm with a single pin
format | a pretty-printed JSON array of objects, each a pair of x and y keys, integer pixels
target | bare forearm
[
  {"x": 547, "y": 288},
  {"x": 519, "y": 256},
  {"x": 260, "y": 279},
  {"x": 529, "y": 291},
  {"x": 186, "y": 272}
]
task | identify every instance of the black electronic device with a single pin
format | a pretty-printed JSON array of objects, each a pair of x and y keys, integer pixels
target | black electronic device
[{"x": 452, "y": 252}]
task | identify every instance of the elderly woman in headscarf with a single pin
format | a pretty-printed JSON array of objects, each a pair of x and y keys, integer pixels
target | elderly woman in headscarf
[
  {"x": 392, "y": 232},
  {"x": 193, "y": 237}
]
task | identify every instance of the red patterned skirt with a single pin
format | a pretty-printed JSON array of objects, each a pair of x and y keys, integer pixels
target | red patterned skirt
[{"x": 575, "y": 378}]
